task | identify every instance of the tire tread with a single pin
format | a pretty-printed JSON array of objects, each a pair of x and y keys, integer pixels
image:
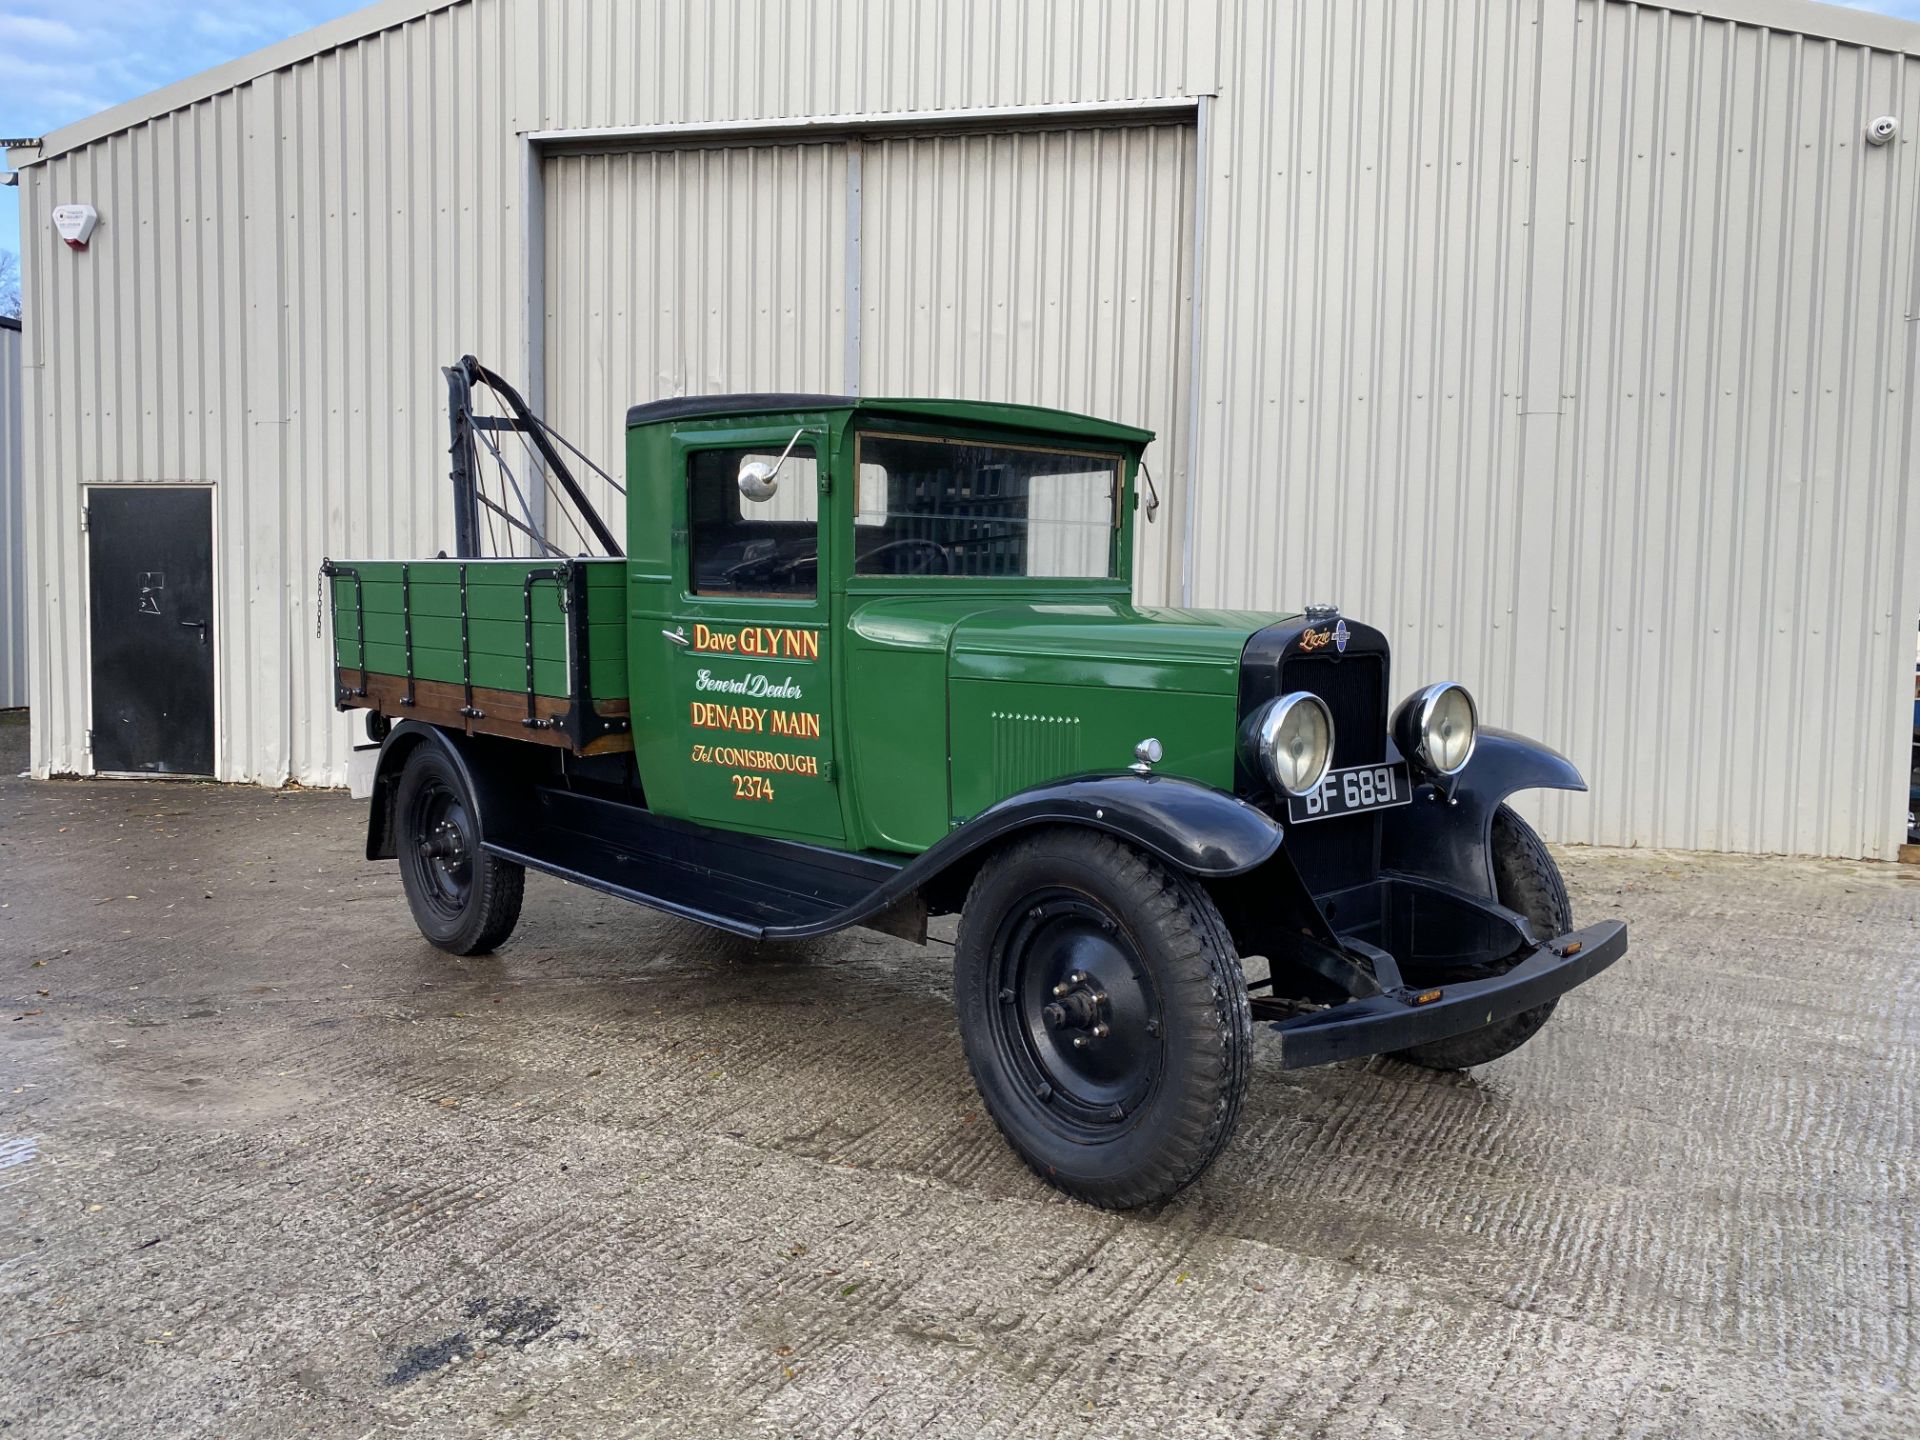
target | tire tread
[{"x": 1213, "y": 1085}]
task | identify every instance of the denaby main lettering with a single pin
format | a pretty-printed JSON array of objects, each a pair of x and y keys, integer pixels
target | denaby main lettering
[
  {"x": 802, "y": 724},
  {"x": 709, "y": 716}
]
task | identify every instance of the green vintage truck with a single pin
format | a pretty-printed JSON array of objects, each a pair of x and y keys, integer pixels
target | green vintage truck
[{"x": 867, "y": 661}]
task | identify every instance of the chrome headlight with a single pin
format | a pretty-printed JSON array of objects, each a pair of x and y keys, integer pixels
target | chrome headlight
[
  {"x": 1290, "y": 742},
  {"x": 1436, "y": 728}
]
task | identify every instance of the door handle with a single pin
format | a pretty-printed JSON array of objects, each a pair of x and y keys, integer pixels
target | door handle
[
  {"x": 678, "y": 637},
  {"x": 199, "y": 625}
]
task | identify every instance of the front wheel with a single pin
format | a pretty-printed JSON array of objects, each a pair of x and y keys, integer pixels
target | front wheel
[
  {"x": 1104, "y": 1015},
  {"x": 465, "y": 901},
  {"x": 1526, "y": 880}
]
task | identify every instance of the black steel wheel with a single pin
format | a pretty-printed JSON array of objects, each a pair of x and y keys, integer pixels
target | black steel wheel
[
  {"x": 464, "y": 900},
  {"x": 1525, "y": 880},
  {"x": 1104, "y": 1015}
]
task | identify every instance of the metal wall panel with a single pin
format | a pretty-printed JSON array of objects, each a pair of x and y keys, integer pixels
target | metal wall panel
[
  {"x": 612, "y": 62},
  {"x": 1734, "y": 504},
  {"x": 278, "y": 272},
  {"x": 14, "y": 619},
  {"x": 1050, "y": 268},
  {"x": 1570, "y": 342},
  {"x": 281, "y": 267},
  {"x": 1565, "y": 337},
  {"x": 690, "y": 272}
]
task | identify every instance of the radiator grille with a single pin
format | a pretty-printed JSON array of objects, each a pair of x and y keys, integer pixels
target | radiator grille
[
  {"x": 1355, "y": 691},
  {"x": 1333, "y": 854}
]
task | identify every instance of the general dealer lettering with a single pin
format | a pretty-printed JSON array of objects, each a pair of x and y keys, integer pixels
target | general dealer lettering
[
  {"x": 766, "y": 641},
  {"x": 755, "y": 720},
  {"x": 754, "y": 685}
]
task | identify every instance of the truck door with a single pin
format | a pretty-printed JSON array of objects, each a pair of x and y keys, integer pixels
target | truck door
[{"x": 751, "y": 679}]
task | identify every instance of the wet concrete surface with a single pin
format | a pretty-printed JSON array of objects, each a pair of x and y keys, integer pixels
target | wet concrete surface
[{"x": 269, "y": 1165}]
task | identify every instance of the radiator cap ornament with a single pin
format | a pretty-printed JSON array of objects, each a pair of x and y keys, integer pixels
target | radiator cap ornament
[{"x": 1319, "y": 615}]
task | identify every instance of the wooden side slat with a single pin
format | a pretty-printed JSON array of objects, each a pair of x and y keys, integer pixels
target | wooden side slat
[{"x": 502, "y": 711}]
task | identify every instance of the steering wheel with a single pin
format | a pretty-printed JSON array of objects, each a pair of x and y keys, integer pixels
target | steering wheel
[{"x": 922, "y": 546}]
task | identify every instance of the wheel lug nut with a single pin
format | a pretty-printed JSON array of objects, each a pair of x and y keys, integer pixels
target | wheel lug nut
[
  {"x": 1100, "y": 1031},
  {"x": 1099, "y": 997},
  {"x": 1079, "y": 1042},
  {"x": 1060, "y": 989}
]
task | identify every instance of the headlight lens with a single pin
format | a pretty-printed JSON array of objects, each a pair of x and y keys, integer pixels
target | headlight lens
[
  {"x": 1445, "y": 726},
  {"x": 1290, "y": 741}
]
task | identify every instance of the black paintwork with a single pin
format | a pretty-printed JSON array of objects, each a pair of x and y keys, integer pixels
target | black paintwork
[
  {"x": 465, "y": 426},
  {"x": 1448, "y": 838},
  {"x": 1385, "y": 1023},
  {"x": 703, "y": 407},
  {"x": 746, "y": 883},
  {"x": 150, "y": 588},
  {"x": 1339, "y": 851},
  {"x": 1365, "y": 953}
]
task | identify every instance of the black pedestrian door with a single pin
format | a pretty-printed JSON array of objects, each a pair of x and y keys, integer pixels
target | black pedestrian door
[{"x": 151, "y": 556}]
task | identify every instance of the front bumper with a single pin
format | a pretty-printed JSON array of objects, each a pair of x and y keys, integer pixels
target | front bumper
[{"x": 1403, "y": 1017}]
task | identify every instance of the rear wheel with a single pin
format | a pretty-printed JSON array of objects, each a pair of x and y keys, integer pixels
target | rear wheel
[
  {"x": 1525, "y": 880},
  {"x": 1104, "y": 1015},
  {"x": 464, "y": 901}
]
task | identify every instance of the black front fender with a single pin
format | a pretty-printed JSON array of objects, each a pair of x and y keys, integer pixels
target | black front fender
[
  {"x": 1193, "y": 827},
  {"x": 1448, "y": 840}
]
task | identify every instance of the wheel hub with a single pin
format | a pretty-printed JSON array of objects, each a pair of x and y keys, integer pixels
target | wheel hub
[
  {"x": 1078, "y": 1015},
  {"x": 444, "y": 842},
  {"x": 1077, "y": 1007},
  {"x": 443, "y": 845}
]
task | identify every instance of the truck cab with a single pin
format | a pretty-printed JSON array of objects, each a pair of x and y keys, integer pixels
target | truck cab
[
  {"x": 916, "y": 609},
  {"x": 867, "y": 661}
]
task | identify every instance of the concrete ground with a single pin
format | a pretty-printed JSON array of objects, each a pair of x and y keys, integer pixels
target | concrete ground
[{"x": 271, "y": 1166}]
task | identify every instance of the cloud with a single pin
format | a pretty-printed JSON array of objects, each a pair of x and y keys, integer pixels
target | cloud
[
  {"x": 38, "y": 31},
  {"x": 62, "y": 60}
]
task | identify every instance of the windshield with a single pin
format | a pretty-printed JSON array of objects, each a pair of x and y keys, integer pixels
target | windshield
[{"x": 961, "y": 507}]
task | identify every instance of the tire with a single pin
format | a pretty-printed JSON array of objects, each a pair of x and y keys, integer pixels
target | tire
[
  {"x": 1525, "y": 879},
  {"x": 1069, "y": 935},
  {"x": 465, "y": 902}
]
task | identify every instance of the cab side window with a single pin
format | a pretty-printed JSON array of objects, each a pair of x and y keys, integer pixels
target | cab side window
[{"x": 746, "y": 547}]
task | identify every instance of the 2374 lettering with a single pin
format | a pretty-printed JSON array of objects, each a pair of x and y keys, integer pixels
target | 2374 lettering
[{"x": 752, "y": 787}]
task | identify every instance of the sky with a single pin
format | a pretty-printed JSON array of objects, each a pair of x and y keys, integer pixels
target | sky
[{"x": 62, "y": 60}]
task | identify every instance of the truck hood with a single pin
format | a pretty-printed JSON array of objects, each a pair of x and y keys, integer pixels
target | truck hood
[{"x": 1113, "y": 644}]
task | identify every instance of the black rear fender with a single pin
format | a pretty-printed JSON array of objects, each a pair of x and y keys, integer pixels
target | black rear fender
[{"x": 498, "y": 775}]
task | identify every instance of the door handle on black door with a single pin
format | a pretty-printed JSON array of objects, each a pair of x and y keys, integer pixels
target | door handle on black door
[{"x": 199, "y": 625}]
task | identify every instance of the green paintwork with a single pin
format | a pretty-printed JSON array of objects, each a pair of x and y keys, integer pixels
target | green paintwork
[
  {"x": 933, "y": 696},
  {"x": 496, "y": 624}
]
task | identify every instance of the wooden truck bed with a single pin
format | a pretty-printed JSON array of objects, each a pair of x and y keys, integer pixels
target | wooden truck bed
[{"x": 530, "y": 649}]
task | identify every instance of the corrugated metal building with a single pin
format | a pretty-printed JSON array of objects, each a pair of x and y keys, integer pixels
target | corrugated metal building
[
  {"x": 1566, "y": 338},
  {"x": 13, "y": 528}
]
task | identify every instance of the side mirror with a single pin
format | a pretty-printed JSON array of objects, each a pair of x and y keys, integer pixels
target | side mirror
[{"x": 758, "y": 480}]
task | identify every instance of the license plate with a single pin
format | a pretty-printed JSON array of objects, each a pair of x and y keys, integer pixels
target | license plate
[{"x": 1353, "y": 792}]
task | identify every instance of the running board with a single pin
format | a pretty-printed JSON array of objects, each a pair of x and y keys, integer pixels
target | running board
[{"x": 747, "y": 884}]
